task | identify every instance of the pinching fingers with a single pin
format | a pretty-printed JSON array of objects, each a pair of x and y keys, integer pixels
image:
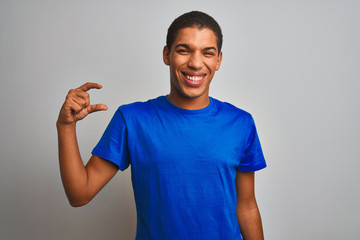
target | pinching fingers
[
  {"x": 89, "y": 85},
  {"x": 97, "y": 107}
]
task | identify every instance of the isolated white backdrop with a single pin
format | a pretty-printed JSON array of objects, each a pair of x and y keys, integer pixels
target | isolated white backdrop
[{"x": 293, "y": 64}]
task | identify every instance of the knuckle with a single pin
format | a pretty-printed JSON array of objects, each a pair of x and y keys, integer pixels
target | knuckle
[
  {"x": 68, "y": 97},
  {"x": 71, "y": 91}
]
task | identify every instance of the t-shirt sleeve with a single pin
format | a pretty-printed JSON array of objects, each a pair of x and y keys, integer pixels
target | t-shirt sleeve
[
  {"x": 252, "y": 158},
  {"x": 113, "y": 143}
]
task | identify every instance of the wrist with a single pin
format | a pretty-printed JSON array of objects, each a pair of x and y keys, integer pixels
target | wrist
[{"x": 65, "y": 126}]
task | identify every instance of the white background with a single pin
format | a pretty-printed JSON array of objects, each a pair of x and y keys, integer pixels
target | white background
[{"x": 294, "y": 65}]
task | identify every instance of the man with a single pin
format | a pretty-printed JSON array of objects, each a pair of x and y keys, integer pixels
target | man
[{"x": 192, "y": 157}]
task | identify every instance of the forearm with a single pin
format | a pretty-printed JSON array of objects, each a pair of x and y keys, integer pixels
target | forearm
[
  {"x": 250, "y": 223},
  {"x": 72, "y": 169}
]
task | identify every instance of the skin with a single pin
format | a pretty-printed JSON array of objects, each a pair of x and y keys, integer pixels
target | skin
[
  {"x": 247, "y": 210},
  {"x": 81, "y": 183},
  {"x": 195, "y": 54}
]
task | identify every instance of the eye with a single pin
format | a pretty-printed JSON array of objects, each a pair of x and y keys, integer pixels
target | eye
[
  {"x": 182, "y": 51},
  {"x": 207, "y": 53}
]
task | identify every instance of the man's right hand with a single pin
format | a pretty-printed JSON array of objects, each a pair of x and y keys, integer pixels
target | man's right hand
[
  {"x": 81, "y": 183},
  {"x": 77, "y": 105}
]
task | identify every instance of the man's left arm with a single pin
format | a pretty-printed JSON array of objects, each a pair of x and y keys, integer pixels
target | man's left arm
[{"x": 247, "y": 210}]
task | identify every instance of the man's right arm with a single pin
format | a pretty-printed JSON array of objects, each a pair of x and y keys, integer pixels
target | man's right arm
[{"x": 81, "y": 183}]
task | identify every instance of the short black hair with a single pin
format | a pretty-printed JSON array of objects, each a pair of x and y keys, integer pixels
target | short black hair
[{"x": 194, "y": 19}]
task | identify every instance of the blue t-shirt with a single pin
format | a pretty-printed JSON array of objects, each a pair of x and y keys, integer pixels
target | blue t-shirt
[{"x": 183, "y": 165}]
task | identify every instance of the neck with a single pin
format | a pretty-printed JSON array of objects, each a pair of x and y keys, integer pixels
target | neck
[{"x": 189, "y": 103}]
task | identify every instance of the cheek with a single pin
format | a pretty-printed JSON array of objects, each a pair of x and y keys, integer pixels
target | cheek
[
  {"x": 213, "y": 67},
  {"x": 212, "y": 64}
]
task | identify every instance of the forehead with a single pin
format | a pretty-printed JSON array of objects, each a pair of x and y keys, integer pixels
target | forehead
[{"x": 196, "y": 37}]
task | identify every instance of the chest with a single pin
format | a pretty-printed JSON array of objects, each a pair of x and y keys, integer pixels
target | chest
[{"x": 184, "y": 144}]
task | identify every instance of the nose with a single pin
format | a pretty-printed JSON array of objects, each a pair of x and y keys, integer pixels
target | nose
[{"x": 195, "y": 61}]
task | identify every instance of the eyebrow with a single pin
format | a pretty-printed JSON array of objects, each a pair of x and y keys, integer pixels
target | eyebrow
[
  {"x": 184, "y": 45},
  {"x": 211, "y": 48}
]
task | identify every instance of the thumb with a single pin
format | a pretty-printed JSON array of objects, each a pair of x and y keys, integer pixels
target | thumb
[{"x": 97, "y": 107}]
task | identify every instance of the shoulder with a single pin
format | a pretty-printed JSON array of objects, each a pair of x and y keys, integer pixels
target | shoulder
[
  {"x": 230, "y": 110},
  {"x": 139, "y": 107}
]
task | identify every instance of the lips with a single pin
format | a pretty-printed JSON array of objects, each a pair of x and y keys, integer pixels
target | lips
[{"x": 193, "y": 79}]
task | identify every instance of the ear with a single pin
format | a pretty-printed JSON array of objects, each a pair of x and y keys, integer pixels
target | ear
[
  {"x": 166, "y": 55},
  {"x": 219, "y": 61}
]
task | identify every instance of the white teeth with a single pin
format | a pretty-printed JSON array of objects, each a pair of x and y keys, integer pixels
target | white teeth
[{"x": 194, "y": 78}]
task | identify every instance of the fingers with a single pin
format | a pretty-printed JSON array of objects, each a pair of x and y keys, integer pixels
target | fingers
[
  {"x": 77, "y": 99},
  {"x": 97, "y": 107},
  {"x": 87, "y": 86},
  {"x": 89, "y": 109},
  {"x": 81, "y": 98},
  {"x": 77, "y": 104}
]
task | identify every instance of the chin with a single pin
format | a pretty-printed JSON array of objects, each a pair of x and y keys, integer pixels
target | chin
[{"x": 194, "y": 94}]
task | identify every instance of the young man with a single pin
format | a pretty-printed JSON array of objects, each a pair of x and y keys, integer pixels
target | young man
[{"x": 192, "y": 157}]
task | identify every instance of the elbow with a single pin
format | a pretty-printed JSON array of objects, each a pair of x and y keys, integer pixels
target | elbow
[
  {"x": 78, "y": 201},
  {"x": 78, "y": 197}
]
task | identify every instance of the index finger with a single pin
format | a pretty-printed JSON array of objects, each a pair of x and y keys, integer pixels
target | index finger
[{"x": 87, "y": 86}]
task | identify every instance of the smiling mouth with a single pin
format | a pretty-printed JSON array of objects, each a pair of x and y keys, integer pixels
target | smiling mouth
[{"x": 194, "y": 78}]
